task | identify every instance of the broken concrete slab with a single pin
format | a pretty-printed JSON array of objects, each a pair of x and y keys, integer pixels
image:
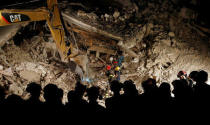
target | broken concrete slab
[{"x": 30, "y": 75}]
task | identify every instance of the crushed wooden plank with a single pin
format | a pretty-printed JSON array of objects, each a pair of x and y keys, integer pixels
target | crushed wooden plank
[
  {"x": 102, "y": 60},
  {"x": 196, "y": 29},
  {"x": 101, "y": 50},
  {"x": 203, "y": 29}
]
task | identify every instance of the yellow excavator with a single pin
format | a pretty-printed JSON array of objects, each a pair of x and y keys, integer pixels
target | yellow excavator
[{"x": 50, "y": 14}]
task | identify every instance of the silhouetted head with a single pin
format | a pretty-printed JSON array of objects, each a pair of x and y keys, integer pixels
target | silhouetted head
[
  {"x": 71, "y": 96},
  {"x": 152, "y": 81},
  {"x": 34, "y": 89},
  {"x": 93, "y": 94},
  {"x": 130, "y": 88},
  {"x": 116, "y": 86},
  {"x": 14, "y": 100},
  {"x": 202, "y": 77},
  {"x": 165, "y": 88},
  {"x": 149, "y": 85},
  {"x": 2, "y": 93},
  {"x": 51, "y": 93},
  {"x": 182, "y": 74},
  {"x": 180, "y": 87},
  {"x": 80, "y": 89},
  {"x": 193, "y": 75},
  {"x": 60, "y": 94}
]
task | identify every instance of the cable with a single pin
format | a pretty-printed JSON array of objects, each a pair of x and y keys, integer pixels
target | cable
[
  {"x": 23, "y": 3},
  {"x": 19, "y": 4}
]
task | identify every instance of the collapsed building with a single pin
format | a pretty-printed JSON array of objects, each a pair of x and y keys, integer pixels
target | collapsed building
[{"x": 158, "y": 39}]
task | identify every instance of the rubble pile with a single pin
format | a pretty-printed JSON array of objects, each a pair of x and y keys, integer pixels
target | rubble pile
[{"x": 32, "y": 62}]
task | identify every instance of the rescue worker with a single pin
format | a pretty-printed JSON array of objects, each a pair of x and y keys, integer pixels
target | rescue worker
[
  {"x": 118, "y": 64},
  {"x": 120, "y": 58},
  {"x": 182, "y": 75},
  {"x": 109, "y": 73},
  {"x": 117, "y": 73}
]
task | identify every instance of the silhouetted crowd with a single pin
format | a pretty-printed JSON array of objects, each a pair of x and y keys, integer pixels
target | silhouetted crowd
[{"x": 189, "y": 94}]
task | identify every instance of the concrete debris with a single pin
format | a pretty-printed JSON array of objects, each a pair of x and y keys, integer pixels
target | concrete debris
[
  {"x": 30, "y": 76},
  {"x": 92, "y": 16},
  {"x": 7, "y": 72},
  {"x": 15, "y": 89},
  {"x": 116, "y": 14},
  {"x": 107, "y": 16},
  {"x": 28, "y": 66},
  {"x": 171, "y": 34}
]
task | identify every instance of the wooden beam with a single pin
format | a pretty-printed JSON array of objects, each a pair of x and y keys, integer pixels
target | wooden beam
[{"x": 101, "y": 50}]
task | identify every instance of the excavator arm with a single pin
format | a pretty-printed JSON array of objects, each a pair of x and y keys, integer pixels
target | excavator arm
[{"x": 51, "y": 14}]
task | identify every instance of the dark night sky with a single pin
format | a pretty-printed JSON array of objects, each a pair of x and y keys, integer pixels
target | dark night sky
[{"x": 203, "y": 6}]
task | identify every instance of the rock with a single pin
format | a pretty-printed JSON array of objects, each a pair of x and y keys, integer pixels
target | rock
[
  {"x": 7, "y": 72},
  {"x": 144, "y": 45},
  {"x": 135, "y": 60},
  {"x": 15, "y": 89},
  {"x": 171, "y": 34},
  {"x": 130, "y": 44},
  {"x": 81, "y": 13},
  {"x": 30, "y": 75},
  {"x": 1, "y": 67},
  {"x": 106, "y": 15},
  {"x": 116, "y": 14},
  {"x": 121, "y": 19}
]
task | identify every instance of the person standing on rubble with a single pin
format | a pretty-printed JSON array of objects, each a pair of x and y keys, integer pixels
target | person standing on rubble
[
  {"x": 109, "y": 73},
  {"x": 120, "y": 58},
  {"x": 182, "y": 75},
  {"x": 118, "y": 64}
]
